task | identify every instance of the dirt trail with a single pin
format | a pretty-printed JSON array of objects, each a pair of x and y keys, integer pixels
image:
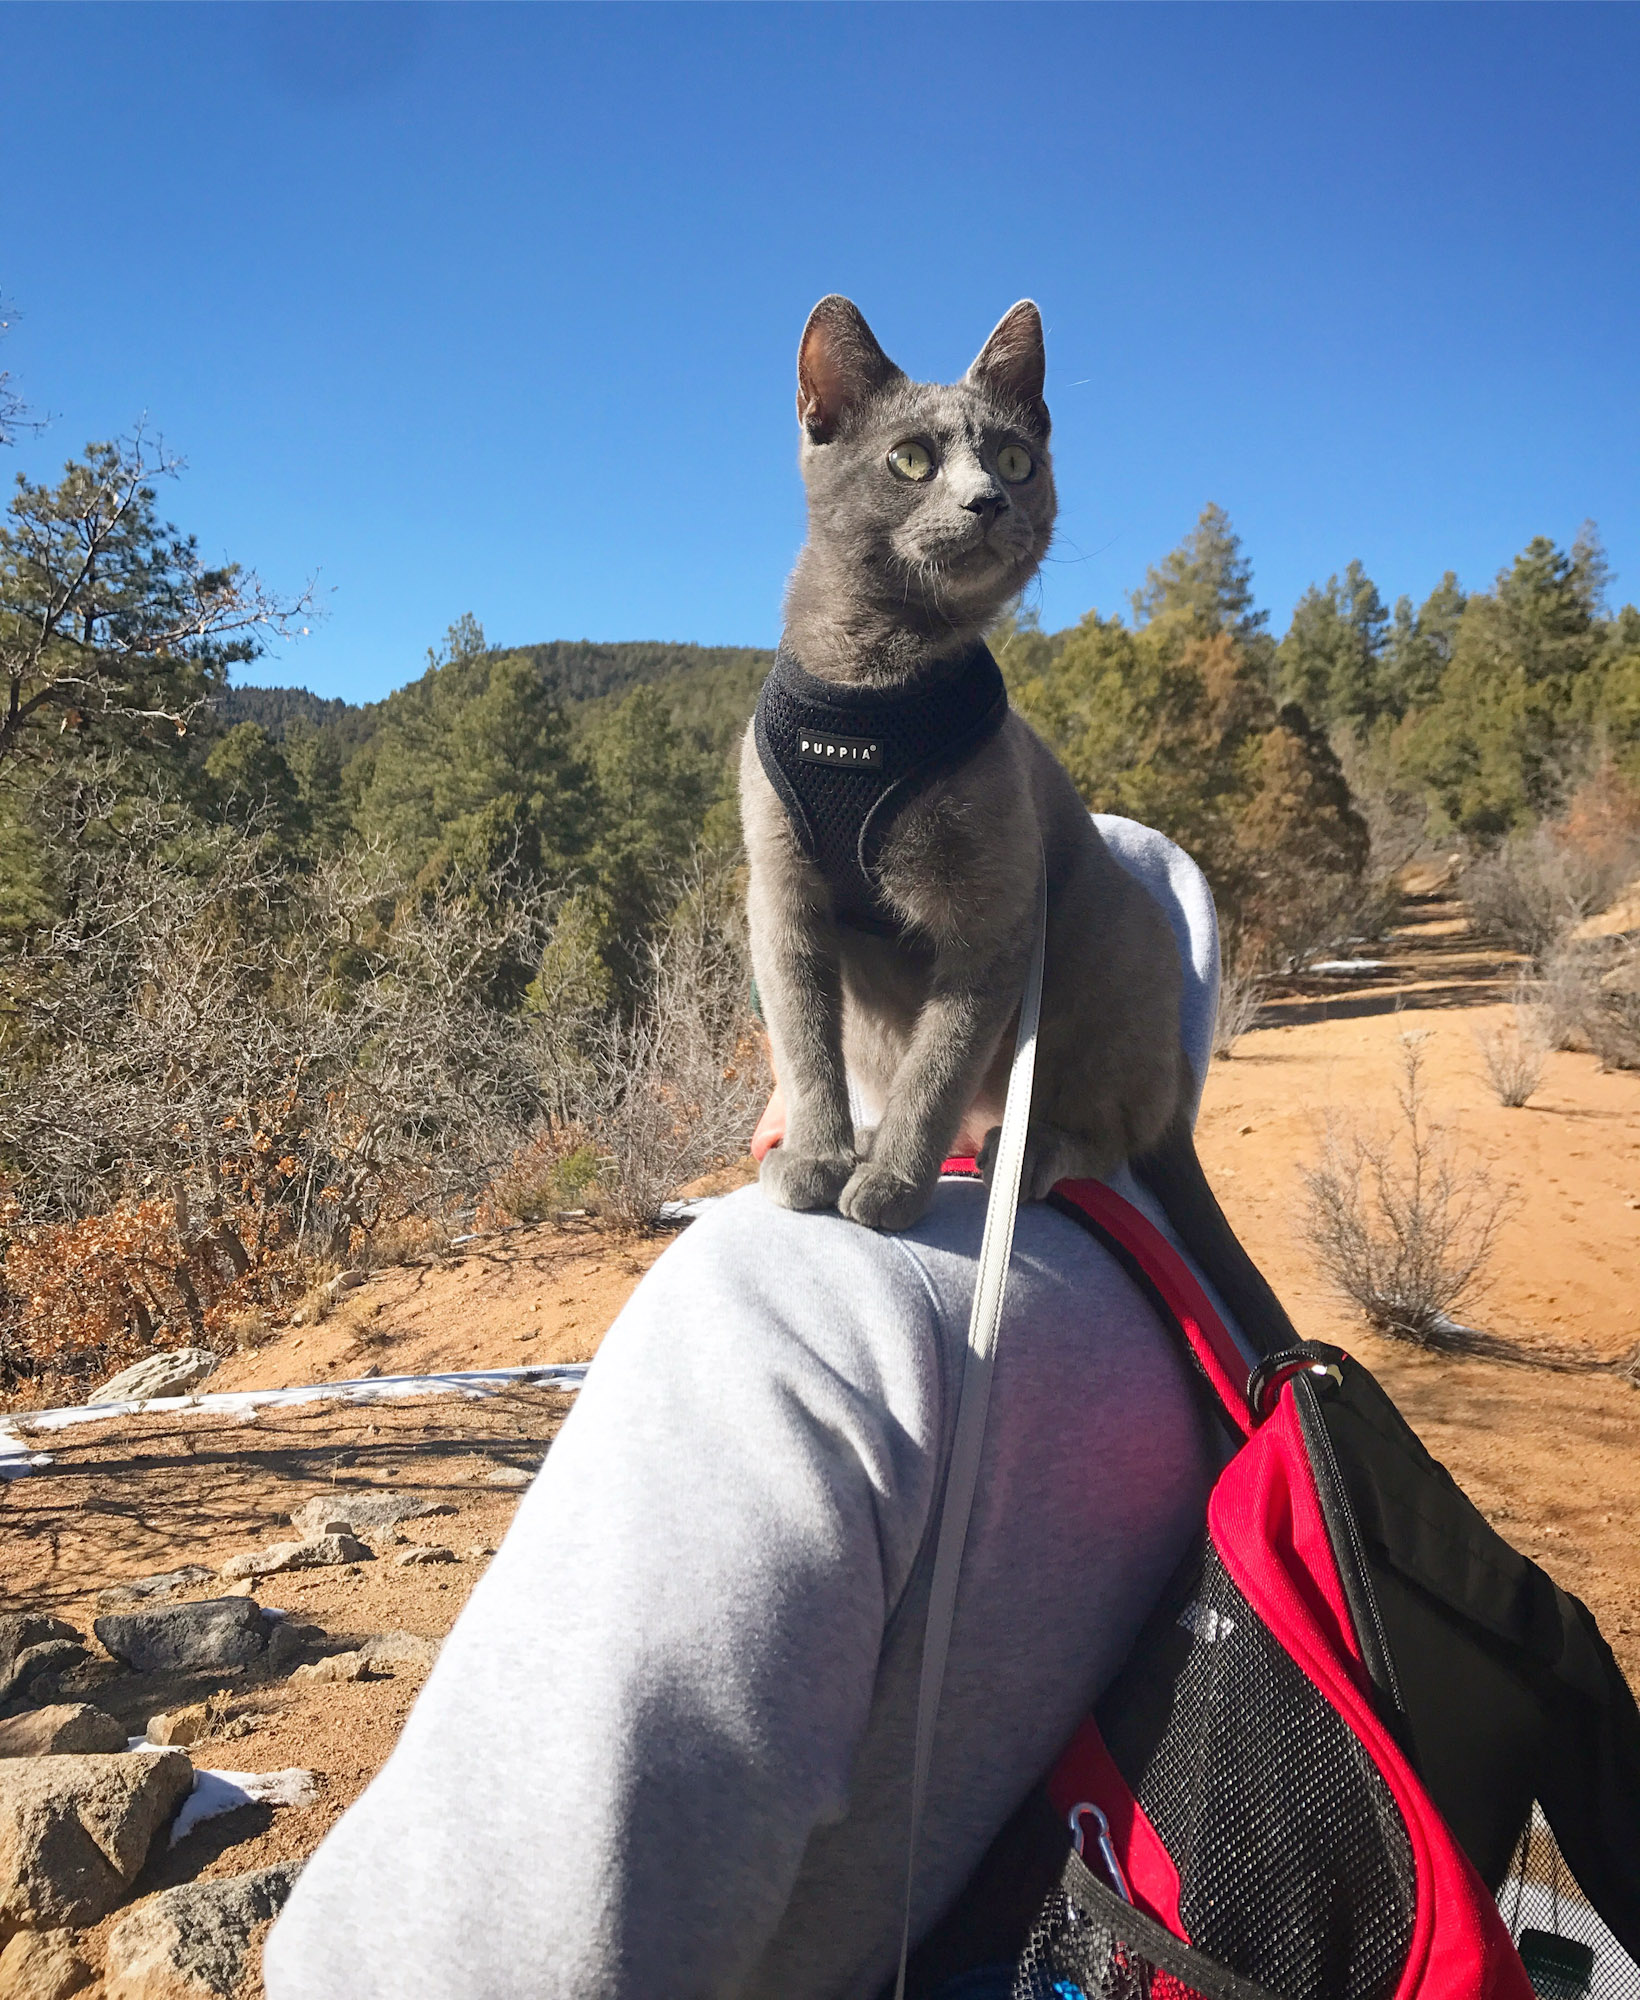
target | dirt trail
[{"x": 1554, "y": 1459}]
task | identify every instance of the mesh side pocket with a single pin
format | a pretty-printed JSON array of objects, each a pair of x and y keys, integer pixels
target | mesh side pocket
[
  {"x": 1294, "y": 1864},
  {"x": 1088, "y": 1944},
  {"x": 1568, "y": 1952}
]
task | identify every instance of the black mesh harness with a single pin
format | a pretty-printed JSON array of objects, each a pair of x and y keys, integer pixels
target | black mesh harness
[{"x": 846, "y": 760}]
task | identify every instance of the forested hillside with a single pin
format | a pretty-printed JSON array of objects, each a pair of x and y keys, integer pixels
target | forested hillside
[{"x": 281, "y": 978}]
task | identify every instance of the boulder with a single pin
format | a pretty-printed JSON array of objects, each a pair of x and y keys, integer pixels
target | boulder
[
  {"x": 19, "y": 1630},
  {"x": 180, "y": 1726},
  {"x": 172, "y": 1374},
  {"x": 399, "y": 1649},
  {"x": 42, "y": 1965},
  {"x": 25, "y": 1641},
  {"x": 363, "y": 1513},
  {"x": 509, "y": 1475},
  {"x": 153, "y": 1589},
  {"x": 425, "y": 1553},
  {"x": 42, "y": 1664},
  {"x": 198, "y": 1942},
  {"x": 215, "y": 1632},
  {"x": 72, "y": 1729},
  {"x": 75, "y": 1830},
  {"x": 320, "y": 1553}
]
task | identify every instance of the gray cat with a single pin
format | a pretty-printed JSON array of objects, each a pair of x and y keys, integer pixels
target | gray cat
[{"x": 895, "y": 809}]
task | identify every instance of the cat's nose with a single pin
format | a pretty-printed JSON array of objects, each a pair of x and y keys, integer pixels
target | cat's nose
[{"x": 987, "y": 500}]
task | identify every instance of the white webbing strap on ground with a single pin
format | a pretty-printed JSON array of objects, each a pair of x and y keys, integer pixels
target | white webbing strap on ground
[{"x": 996, "y": 1246}]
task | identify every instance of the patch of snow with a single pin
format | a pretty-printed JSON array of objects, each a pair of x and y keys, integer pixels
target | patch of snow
[
  {"x": 686, "y": 1211},
  {"x": 218, "y": 1792},
  {"x": 16, "y": 1457},
  {"x": 1335, "y": 965}
]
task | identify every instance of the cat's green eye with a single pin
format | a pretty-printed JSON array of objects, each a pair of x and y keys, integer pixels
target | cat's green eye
[
  {"x": 1015, "y": 463},
  {"x": 911, "y": 460}
]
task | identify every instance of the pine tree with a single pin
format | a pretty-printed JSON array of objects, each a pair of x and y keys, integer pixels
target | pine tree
[
  {"x": 1332, "y": 660},
  {"x": 473, "y": 766},
  {"x": 1418, "y": 648},
  {"x": 1503, "y": 740},
  {"x": 111, "y": 625},
  {"x": 1205, "y": 583}
]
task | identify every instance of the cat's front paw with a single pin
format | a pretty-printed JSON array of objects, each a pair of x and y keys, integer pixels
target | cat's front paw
[
  {"x": 804, "y": 1180},
  {"x": 882, "y": 1199}
]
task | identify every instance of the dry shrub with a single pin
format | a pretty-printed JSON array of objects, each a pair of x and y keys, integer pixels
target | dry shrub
[
  {"x": 1241, "y": 994},
  {"x": 681, "y": 1082},
  {"x": 1513, "y": 1055},
  {"x": 1535, "y": 888},
  {"x": 225, "y": 1073},
  {"x": 1401, "y": 1223},
  {"x": 654, "y": 1097},
  {"x": 555, "y": 1176},
  {"x": 228, "y": 1078},
  {"x": 1590, "y": 995},
  {"x": 1614, "y": 1019},
  {"x": 81, "y": 1299}
]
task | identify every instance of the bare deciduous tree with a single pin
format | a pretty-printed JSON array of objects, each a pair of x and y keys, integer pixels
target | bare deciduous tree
[{"x": 680, "y": 1083}]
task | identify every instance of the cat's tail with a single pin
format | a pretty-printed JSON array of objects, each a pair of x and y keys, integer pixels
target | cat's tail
[{"x": 1174, "y": 1175}]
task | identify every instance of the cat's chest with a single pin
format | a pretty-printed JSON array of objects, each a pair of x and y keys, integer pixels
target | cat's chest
[{"x": 858, "y": 771}]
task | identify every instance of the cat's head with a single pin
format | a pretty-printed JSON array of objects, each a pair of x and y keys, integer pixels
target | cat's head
[{"x": 933, "y": 501}]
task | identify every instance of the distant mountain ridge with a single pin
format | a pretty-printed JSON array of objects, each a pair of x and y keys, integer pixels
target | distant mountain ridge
[{"x": 710, "y": 689}]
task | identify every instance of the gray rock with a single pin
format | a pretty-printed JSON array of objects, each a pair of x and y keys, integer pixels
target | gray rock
[
  {"x": 423, "y": 1554},
  {"x": 24, "y": 1632},
  {"x": 197, "y": 1942},
  {"x": 509, "y": 1475},
  {"x": 363, "y": 1513},
  {"x": 41, "y": 1663},
  {"x": 321, "y": 1552},
  {"x": 172, "y": 1374},
  {"x": 153, "y": 1589},
  {"x": 389, "y": 1650},
  {"x": 70, "y": 1730},
  {"x": 74, "y": 1831},
  {"x": 42, "y": 1965},
  {"x": 288, "y": 1641},
  {"x": 21, "y": 1629},
  {"x": 215, "y": 1632}
]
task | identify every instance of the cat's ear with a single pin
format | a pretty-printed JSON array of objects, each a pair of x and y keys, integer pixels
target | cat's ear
[
  {"x": 1012, "y": 365},
  {"x": 839, "y": 364}
]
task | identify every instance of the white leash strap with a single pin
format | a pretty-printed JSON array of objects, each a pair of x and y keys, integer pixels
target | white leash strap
[{"x": 996, "y": 1247}]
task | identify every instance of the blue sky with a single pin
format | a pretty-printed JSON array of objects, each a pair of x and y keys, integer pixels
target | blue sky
[{"x": 495, "y": 308}]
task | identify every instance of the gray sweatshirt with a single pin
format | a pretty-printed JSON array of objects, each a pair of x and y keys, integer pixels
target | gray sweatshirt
[{"x": 666, "y": 1751}]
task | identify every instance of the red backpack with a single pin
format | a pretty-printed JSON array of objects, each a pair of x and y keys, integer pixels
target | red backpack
[{"x": 1363, "y": 1750}]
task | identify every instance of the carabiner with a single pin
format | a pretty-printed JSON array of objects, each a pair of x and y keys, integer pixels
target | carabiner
[{"x": 1086, "y": 1809}]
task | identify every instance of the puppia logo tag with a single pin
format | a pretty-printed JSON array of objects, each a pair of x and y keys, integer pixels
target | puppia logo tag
[{"x": 854, "y": 750}]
